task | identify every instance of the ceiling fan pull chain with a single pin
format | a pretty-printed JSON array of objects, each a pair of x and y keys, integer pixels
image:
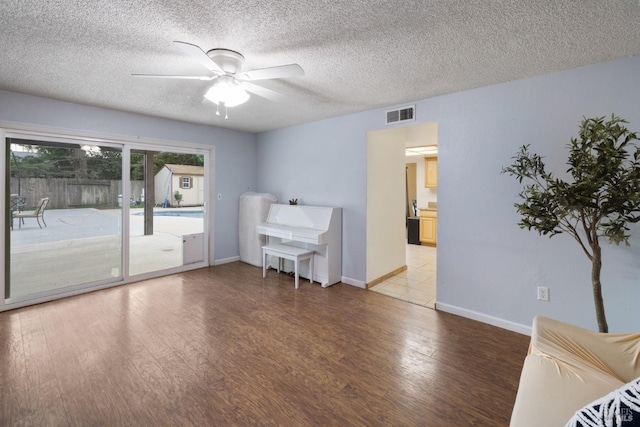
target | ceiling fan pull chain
[
  {"x": 226, "y": 116},
  {"x": 217, "y": 110}
]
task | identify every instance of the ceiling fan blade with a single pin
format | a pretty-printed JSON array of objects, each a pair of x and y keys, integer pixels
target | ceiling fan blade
[
  {"x": 279, "y": 72},
  {"x": 200, "y": 55},
  {"x": 263, "y": 92},
  {"x": 165, "y": 76}
]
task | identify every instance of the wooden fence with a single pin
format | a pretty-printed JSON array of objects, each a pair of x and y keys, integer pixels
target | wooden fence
[{"x": 64, "y": 193}]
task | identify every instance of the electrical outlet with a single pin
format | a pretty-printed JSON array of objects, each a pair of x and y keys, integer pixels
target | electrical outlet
[{"x": 543, "y": 293}]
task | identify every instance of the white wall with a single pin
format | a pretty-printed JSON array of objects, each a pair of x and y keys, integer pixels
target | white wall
[
  {"x": 420, "y": 134},
  {"x": 386, "y": 202},
  {"x": 235, "y": 152},
  {"x": 160, "y": 181},
  {"x": 193, "y": 196},
  {"x": 487, "y": 267}
]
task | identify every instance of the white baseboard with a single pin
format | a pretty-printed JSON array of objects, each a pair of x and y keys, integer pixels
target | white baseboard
[
  {"x": 484, "y": 318},
  {"x": 226, "y": 260},
  {"x": 354, "y": 282}
]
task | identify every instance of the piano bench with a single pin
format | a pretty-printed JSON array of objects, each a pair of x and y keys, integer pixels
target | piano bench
[{"x": 291, "y": 253}]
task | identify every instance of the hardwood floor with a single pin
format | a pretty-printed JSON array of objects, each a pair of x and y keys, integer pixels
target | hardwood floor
[{"x": 222, "y": 346}]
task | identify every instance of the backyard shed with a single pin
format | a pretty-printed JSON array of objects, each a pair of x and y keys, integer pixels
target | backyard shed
[{"x": 186, "y": 180}]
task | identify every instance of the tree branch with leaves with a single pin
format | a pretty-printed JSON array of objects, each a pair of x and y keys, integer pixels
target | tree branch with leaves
[{"x": 604, "y": 197}]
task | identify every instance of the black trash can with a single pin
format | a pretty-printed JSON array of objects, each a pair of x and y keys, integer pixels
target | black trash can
[{"x": 413, "y": 230}]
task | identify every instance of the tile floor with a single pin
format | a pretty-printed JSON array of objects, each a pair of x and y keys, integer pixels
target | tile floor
[{"x": 418, "y": 283}]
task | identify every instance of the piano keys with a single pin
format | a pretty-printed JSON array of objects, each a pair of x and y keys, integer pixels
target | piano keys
[{"x": 309, "y": 227}]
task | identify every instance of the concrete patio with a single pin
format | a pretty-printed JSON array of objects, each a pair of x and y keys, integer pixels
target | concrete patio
[{"x": 79, "y": 246}]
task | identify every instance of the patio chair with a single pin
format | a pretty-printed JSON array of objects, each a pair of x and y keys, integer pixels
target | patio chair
[
  {"x": 37, "y": 213},
  {"x": 17, "y": 205}
]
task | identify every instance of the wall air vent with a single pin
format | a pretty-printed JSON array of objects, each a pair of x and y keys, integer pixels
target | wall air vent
[{"x": 404, "y": 114}]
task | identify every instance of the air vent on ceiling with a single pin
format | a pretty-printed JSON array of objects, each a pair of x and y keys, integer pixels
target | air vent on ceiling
[{"x": 404, "y": 114}]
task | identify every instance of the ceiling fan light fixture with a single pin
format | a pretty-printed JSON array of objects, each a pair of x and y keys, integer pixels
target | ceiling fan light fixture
[
  {"x": 230, "y": 83},
  {"x": 227, "y": 91}
]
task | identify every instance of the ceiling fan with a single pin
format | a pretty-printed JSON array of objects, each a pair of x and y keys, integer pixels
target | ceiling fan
[{"x": 230, "y": 83}]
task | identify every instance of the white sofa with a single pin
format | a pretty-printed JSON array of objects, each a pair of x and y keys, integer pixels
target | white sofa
[{"x": 568, "y": 367}]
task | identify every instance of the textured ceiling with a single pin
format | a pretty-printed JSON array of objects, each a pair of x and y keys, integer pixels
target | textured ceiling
[{"x": 357, "y": 54}]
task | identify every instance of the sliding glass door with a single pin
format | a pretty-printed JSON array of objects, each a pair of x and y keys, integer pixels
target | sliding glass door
[
  {"x": 65, "y": 227},
  {"x": 75, "y": 221},
  {"x": 166, "y": 210}
]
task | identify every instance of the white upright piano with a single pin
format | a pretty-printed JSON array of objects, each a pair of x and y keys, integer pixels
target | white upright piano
[{"x": 310, "y": 227}]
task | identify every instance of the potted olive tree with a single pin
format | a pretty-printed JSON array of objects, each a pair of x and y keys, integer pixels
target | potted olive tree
[{"x": 600, "y": 202}]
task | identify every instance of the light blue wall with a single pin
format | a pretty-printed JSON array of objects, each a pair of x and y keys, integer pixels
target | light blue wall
[
  {"x": 235, "y": 152},
  {"x": 323, "y": 164},
  {"x": 486, "y": 264},
  {"x": 487, "y": 267}
]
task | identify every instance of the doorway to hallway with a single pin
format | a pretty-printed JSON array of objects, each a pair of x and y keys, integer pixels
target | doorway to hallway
[{"x": 398, "y": 187}]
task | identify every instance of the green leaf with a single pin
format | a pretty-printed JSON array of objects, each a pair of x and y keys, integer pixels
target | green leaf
[{"x": 604, "y": 194}]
